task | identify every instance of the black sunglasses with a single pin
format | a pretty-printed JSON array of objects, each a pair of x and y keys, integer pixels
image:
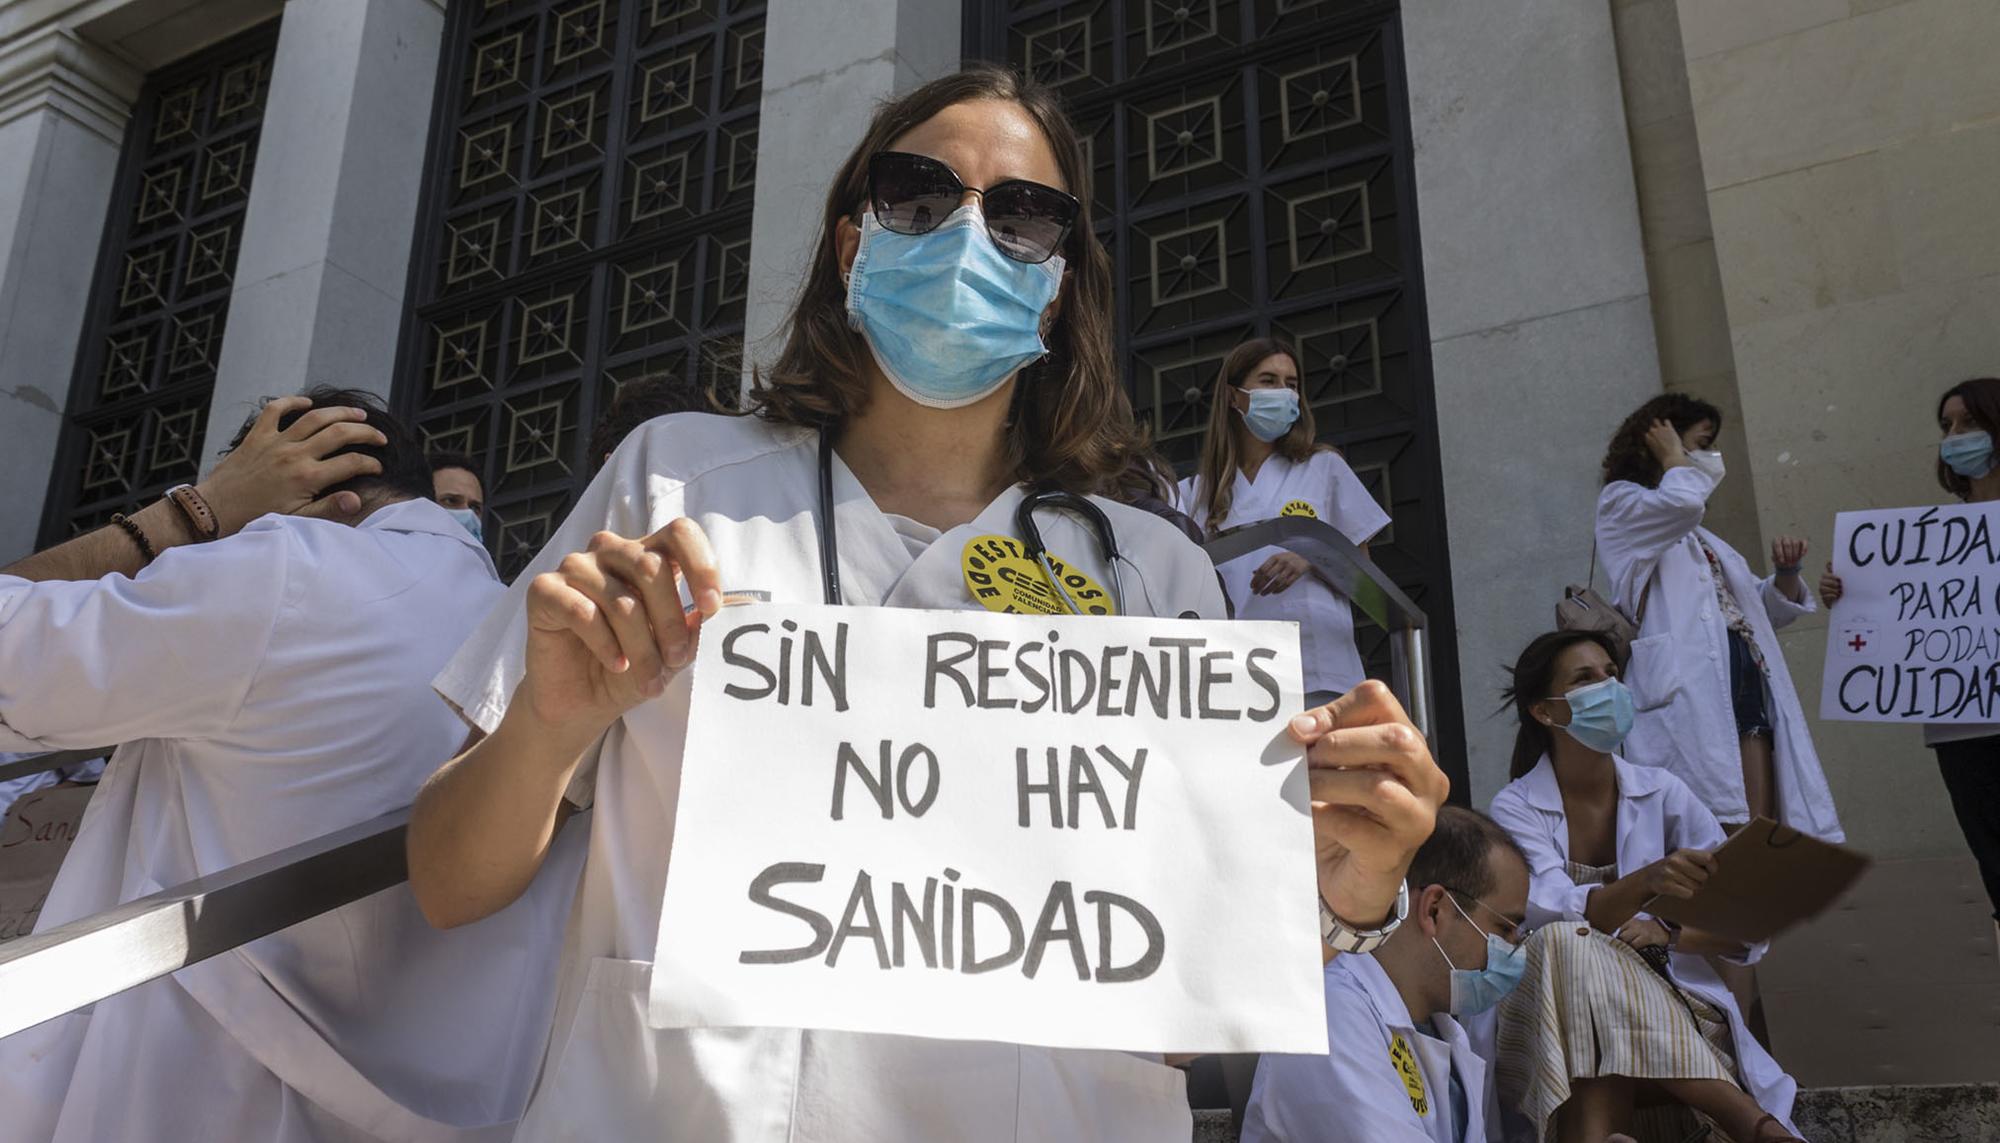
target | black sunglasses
[{"x": 913, "y": 194}]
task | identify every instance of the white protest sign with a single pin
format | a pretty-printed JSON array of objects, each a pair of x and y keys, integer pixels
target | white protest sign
[
  {"x": 34, "y": 838},
  {"x": 1916, "y": 634},
  {"x": 1083, "y": 832}
]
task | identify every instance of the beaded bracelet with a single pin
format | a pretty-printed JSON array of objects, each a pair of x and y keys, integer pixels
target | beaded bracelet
[
  {"x": 138, "y": 535},
  {"x": 1788, "y": 569}
]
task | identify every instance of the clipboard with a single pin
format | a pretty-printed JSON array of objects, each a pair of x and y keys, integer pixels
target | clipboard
[{"x": 1768, "y": 878}]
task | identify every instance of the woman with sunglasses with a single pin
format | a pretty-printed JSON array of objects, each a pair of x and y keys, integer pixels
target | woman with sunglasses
[
  {"x": 1617, "y": 1009},
  {"x": 1260, "y": 460},
  {"x": 951, "y": 347}
]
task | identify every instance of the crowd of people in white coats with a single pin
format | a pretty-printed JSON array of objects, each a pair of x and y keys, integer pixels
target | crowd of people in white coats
[{"x": 314, "y": 635}]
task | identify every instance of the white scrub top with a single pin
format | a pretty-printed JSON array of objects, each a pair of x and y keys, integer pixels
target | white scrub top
[
  {"x": 753, "y": 487},
  {"x": 1657, "y": 814},
  {"x": 1324, "y": 488},
  {"x": 270, "y": 688},
  {"x": 1651, "y": 539},
  {"x": 1386, "y": 1080}
]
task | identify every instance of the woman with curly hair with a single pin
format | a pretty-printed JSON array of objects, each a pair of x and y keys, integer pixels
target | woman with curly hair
[{"x": 1715, "y": 703}]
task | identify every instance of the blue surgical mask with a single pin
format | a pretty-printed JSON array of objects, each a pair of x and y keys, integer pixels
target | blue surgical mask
[
  {"x": 469, "y": 520},
  {"x": 948, "y": 317},
  {"x": 1271, "y": 414},
  {"x": 1474, "y": 990},
  {"x": 1968, "y": 454},
  {"x": 1600, "y": 714}
]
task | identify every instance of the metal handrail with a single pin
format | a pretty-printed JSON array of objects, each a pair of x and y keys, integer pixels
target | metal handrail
[
  {"x": 76, "y": 965},
  {"x": 55, "y": 760},
  {"x": 1348, "y": 570}
]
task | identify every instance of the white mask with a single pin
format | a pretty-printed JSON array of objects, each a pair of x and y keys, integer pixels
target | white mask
[{"x": 1708, "y": 461}]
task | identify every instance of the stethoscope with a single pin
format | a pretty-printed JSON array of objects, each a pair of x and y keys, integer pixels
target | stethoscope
[{"x": 1024, "y": 524}]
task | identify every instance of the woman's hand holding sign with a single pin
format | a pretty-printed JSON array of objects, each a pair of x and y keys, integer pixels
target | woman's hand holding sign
[
  {"x": 606, "y": 629},
  {"x": 1375, "y": 796}
]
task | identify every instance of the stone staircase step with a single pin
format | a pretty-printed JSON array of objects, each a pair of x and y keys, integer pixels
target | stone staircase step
[{"x": 1905, "y": 1113}]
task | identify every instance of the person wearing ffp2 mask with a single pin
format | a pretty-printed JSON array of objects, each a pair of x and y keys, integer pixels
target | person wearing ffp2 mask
[{"x": 1713, "y": 699}]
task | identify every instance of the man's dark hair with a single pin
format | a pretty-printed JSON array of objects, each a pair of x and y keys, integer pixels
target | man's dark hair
[
  {"x": 440, "y": 461},
  {"x": 636, "y": 403},
  {"x": 1458, "y": 853},
  {"x": 405, "y": 472}
]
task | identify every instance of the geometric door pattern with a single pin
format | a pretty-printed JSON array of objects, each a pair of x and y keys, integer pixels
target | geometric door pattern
[
  {"x": 1250, "y": 171},
  {"x": 585, "y": 225},
  {"x": 146, "y": 365}
]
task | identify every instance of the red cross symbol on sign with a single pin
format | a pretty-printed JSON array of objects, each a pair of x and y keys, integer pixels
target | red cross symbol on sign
[{"x": 1857, "y": 642}]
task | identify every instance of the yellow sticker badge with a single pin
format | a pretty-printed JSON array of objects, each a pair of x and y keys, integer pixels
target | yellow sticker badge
[
  {"x": 1405, "y": 1062},
  {"x": 1299, "y": 508},
  {"x": 1002, "y": 578}
]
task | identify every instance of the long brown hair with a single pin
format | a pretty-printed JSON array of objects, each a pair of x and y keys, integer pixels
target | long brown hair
[
  {"x": 1220, "y": 458},
  {"x": 1982, "y": 399},
  {"x": 1529, "y": 682},
  {"x": 1071, "y": 425}
]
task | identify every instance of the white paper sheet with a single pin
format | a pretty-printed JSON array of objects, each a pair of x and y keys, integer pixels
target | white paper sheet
[
  {"x": 843, "y": 760},
  {"x": 1916, "y": 634}
]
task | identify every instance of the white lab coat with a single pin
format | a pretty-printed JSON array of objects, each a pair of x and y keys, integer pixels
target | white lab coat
[
  {"x": 1657, "y": 814},
  {"x": 753, "y": 487},
  {"x": 270, "y": 688},
  {"x": 1354, "y": 1093},
  {"x": 1679, "y": 673},
  {"x": 1324, "y": 488}
]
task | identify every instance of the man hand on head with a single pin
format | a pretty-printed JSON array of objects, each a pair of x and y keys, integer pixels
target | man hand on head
[{"x": 300, "y": 455}]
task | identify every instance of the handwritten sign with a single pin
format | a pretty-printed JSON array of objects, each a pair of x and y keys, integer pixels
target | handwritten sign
[
  {"x": 1916, "y": 634},
  {"x": 1084, "y": 832},
  {"x": 34, "y": 837}
]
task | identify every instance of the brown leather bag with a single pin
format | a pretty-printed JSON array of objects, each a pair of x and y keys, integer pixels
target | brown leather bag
[{"x": 1582, "y": 609}]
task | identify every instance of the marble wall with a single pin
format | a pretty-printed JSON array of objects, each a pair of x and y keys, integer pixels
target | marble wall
[
  {"x": 1541, "y": 331},
  {"x": 826, "y": 67},
  {"x": 1849, "y": 152}
]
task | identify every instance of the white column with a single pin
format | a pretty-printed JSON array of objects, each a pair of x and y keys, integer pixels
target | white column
[
  {"x": 826, "y": 66},
  {"x": 326, "y": 239},
  {"x": 1540, "y": 320},
  {"x": 63, "y": 106}
]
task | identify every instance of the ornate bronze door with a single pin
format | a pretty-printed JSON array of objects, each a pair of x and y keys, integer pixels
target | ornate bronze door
[
  {"x": 146, "y": 368},
  {"x": 585, "y": 224},
  {"x": 1251, "y": 176}
]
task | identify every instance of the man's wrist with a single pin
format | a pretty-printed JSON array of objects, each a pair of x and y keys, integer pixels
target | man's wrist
[
  {"x": 1361, "y": 898},
  {"x": 228, "y": 521},
  {"x": 164, "y": 525}
]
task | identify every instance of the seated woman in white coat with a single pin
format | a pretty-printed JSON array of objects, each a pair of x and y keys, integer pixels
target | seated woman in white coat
[
  {"x": 1617, "y": 1008},
  {"x": 1409, "y": 1029},
  {"x": 1716, "y": 704},
  {"x": 949, "y": 348},
  {"x": 1260, "y": 460}
]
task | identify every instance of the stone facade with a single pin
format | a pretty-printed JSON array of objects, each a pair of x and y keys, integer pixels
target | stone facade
[{"x": 1784, "y": 207}]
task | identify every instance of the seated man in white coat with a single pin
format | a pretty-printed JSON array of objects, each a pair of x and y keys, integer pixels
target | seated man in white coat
[
  {"x": 268, "y": 677},
  {"x": 1404, "y": 1067}
]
